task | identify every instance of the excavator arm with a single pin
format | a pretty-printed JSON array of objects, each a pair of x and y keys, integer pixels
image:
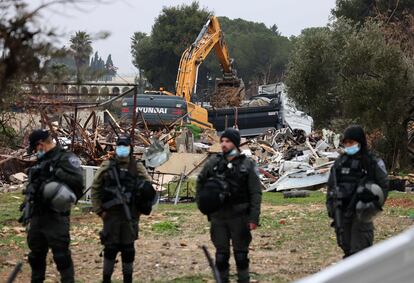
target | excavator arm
[{"x": 210, "y": 37}]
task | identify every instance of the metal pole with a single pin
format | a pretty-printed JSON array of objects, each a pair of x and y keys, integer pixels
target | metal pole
[
  {"x": 74, "y": 127},
  {"x": 134, "y": 116}
]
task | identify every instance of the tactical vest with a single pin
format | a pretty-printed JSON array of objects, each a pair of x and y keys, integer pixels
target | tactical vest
[
  {"x": 351, "y": 173},
  {"x": 235, "y": 173},
  {"x": 128, "y": 183},
  {"x": 42, "y": 172}
]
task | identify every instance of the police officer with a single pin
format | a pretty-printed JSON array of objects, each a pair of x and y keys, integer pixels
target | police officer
[
  {"x": 228, "y": 191},
  {"x": 55, "y": 182},
  {"x": 121, "y": 191},
  {"x": 358, "y": 179}
]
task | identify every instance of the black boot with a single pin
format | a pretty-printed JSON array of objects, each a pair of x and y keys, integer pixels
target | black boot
[
  {"x": 67, "y": 275},
  {"x": 108, "y": 269},
  {"x": 38, "y": 275},
  {"x": 243, "y": 275},
  {"x": 224, "y": 275},
  {"x": 127, "y": 270},
  {"x": 38, "y": 264}
]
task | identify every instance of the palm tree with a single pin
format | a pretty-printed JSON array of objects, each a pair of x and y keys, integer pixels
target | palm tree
[{"x": 81, "y": 48}]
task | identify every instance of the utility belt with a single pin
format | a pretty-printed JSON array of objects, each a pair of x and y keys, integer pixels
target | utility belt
[
  {"x": 115, "y": 202},
  {"x": 42, "y": 209}
]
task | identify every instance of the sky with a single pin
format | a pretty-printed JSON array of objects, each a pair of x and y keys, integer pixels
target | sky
[{"x": 124, "y": 17}]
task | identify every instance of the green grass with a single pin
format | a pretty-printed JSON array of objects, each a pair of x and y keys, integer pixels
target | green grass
[
  {"x": 400, "y": 211},
  {"x": 189, "y": 207},
  {"x": 9, "y": 214},
  {"x": 165, "y": 227},
  {"x": 305, "y": 235},
  {"x": 9, "y": 208},
  {"x": 17, "y": 240},
  {"x": 188, "y": 188},
  {"x": 276, "y": 198}
]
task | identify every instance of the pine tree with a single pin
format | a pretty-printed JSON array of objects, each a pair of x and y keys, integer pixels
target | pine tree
[{"x": 110, "y": 68}]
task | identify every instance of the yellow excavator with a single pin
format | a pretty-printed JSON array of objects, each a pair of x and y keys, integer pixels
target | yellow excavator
[
  {"x": 211, "y": 36},
  {"x": 229, "y": 89}
]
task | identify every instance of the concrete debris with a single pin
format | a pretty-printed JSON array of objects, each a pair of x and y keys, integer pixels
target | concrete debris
[
  {"x": 18, "y": 178},
  {"x": 11, "y": 165},
  {"x": 288, "y": 158},
  {"x": 291, "y": 160},
  {"x": 182, "y": 163},
  {"x": 156, "y": 154},
  {"x": 11, "y": 188}
]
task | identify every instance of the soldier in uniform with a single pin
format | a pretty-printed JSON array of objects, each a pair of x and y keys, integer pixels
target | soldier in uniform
[
  {"x": 229, "y": 192},
  {"x": 358, "y": 183},
  {"x": 121, "y": 191},
  {"x": 55, "y": 183}
]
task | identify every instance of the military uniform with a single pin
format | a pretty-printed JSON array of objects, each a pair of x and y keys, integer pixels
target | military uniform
[
  {"x": 48, "y": 228},
  {"x": 231, "y": 221},
  {"x": 351, "y": 171},
  {"x": 118, "y": 234}
]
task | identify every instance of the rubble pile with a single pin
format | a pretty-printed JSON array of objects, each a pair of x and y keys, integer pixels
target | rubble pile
[
  {"x": 291, "y": 160},
  {"x": 227, "y": 96},
  {"x": 93, "y": 140}
]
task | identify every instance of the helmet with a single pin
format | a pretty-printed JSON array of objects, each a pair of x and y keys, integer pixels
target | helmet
[
  {"x": 59, "y": 196},
  {"x": 370, "y": 202},
  {"x": 146, "y": 197},
  {"x": 123, "y": 140},
  {"x": 212, "y": 195},
  {"x": 147, "y": 191}
]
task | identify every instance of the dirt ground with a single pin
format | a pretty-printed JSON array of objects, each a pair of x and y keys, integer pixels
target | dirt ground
[{"x": 294, "y": 240}]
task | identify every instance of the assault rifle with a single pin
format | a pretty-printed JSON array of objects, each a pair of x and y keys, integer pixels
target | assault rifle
[
  {"x": 121, "y": 198},
  {"x": 338, "y": 211},
  {"x": 29, "y": 192},
  {"x": 15, "y": 272}
]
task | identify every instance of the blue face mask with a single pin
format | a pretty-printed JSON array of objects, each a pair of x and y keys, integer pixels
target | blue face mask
[
  {"x": 40, "y": 154},
  {"x": 351, "y": 150},
  {"x": 122, "y": 151}
]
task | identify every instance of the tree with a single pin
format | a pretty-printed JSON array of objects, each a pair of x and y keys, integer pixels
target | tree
[
  {"x": 94, "y": 62},
  {"x": 159, "y": 53},
  {"x": 313, "y": 73},
  {"x": 81, "y": 47},
  {"x": 110, "y": 68},
  {"x": 275, "y": 30},
  {"x": 358, "y": 11},
  {"x": 260, "y": 53},
  {"x": 354, "y": 74},
  {"x": 23, "y": 46}
]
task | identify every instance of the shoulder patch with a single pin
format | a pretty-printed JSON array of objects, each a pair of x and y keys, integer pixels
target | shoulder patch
[
  {"x": 381, "y": 165},
  {"x": 74, "y": 161},
  {"x": 256, "y": 170}
]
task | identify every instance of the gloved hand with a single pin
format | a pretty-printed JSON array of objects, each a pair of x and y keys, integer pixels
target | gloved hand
[
  {"x": 252, "y": 226},
  {"x": 367, "y": 196}
]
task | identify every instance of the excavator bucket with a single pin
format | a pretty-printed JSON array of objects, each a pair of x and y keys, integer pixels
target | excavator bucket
[{"x": 229, "y": 92}]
